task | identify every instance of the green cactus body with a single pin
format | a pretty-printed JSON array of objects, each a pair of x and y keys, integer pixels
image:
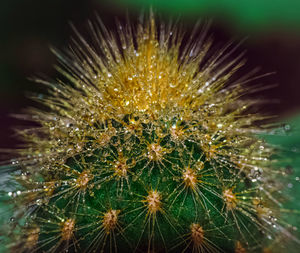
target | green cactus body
[{"x": 145, "y": 147}]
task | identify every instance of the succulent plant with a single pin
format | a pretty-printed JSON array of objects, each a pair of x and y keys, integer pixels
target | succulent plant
[{"x": 145, "y": 143}]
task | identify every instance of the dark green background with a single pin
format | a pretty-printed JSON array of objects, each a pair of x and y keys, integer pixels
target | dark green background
[{"x": 256, "y": 15}]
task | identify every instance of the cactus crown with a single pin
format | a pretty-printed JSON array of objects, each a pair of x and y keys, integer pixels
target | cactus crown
[{"x": 146, "y": 145}]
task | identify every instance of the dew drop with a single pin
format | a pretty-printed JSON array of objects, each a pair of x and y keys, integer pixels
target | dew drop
[
  {"x": 39, "y": 202},
  {"x": 287, "y": 127}
]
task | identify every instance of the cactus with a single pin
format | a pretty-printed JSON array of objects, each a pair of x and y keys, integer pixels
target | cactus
[{"x": 146, "y": 144}]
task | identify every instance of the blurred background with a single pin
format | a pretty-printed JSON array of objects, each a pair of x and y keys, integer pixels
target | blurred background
[{"x": 29, "y": 27}]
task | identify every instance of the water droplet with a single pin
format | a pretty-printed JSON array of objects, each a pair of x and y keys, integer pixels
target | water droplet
[
  {"x": 39, "y": 202},
  {"x": 287, "y": 127},
  {"x": 199, "y": 91}
]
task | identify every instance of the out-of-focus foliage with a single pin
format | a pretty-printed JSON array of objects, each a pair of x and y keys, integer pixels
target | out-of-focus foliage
[
  {"x": 287, "y": 139},
  {"x": 250, "y": 14}
]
